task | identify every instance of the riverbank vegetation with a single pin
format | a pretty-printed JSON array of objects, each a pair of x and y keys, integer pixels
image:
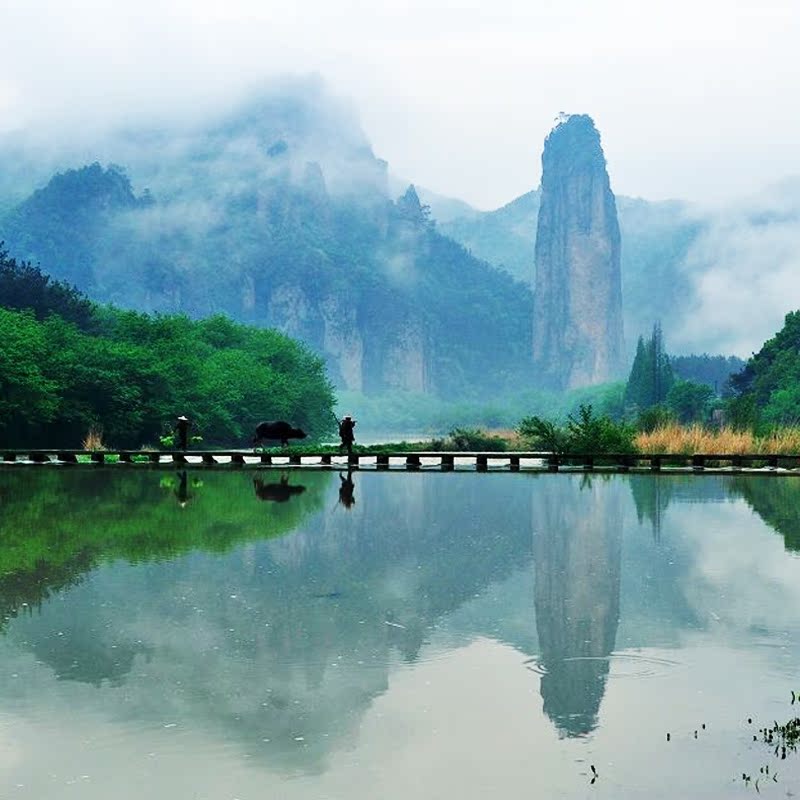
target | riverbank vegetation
[
  {"x": 696, "y": 438},
  {"x": 68, "y": 367},
  {"x": 73, "y": 372}
]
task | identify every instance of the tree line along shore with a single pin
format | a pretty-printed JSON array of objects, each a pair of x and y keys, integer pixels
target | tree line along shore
[{"x": 73, "y": 372}]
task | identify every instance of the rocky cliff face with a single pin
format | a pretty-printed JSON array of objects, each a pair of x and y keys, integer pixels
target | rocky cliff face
[
  {"x": 278, "y": 214},
  {"x": 577, "y": 316}
]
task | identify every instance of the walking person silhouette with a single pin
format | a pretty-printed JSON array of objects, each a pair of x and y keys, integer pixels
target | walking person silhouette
[{"x": 347, "y": 433}]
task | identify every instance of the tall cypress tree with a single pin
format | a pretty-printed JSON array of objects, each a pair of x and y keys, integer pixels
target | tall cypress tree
[
  {"x": 651, "y": 374},
  {"x": 636, "y": 390}
]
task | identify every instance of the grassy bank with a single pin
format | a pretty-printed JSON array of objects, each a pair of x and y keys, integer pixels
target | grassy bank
[{"x": 688, "y": 439}]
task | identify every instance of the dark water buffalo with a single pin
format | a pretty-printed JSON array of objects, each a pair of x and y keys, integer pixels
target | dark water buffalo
[
  {"x": 276, "y": 492},
  {"x": 276, "y": 431}
]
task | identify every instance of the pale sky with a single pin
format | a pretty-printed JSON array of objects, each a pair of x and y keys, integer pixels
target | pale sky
[{"x": 695, "y": 99}]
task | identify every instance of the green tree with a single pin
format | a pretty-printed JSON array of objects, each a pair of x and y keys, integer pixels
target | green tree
[
  {"x": 690, "y": 402},
  {"x": 585, "y": 432},
  {"x": 767, "y": 390},
  {"x": 135, "y": 373},
  {"x": 543, "y": 434},
  {"x": 590, "y": 433},
  {"x": 23, "y": 286},
  {"x": 651, "y": 375},
  {"x": 27, "y": 396}
]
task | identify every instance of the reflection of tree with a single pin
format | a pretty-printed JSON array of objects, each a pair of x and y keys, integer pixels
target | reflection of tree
[
  {"x": 297, "y": 635},
  {"x": 26, "y": 591},
  {"x": 577, "y": 550},
  {"x": 651, "y": 495},
  {"x": 58, "y": 525},
  {"x": 776, "y": 501}
]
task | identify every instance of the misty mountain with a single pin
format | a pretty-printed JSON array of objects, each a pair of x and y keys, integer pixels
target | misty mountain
[
  {"x": 700, "y": 271},
  {"x": 279, "y": 214},
  {"x": 656, "y": 238},
  {"x": 63, "y": 222}
]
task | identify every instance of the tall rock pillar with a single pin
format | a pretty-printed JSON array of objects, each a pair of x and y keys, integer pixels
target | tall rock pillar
[{"x": 577, "y": 304}]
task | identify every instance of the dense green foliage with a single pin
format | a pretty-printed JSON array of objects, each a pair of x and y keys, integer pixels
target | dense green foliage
[
  {"x": 130, "y": 375},
  {"x": 688, "y": 401},
  {"x": 714, "y": 371},
  {"x": 656, "y": 394},
  {"x": 584, "y": 432},
  {"x": 23, "y": 286},
  {"x": 651, "y": 374},
  {"x": 767, "y": 390},
  {"x": 279, "y": 215}
]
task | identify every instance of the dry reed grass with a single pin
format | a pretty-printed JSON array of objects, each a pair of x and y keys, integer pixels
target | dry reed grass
[
  {"x": 689, "y": 439},
  {"x": 94, "y": 440}
]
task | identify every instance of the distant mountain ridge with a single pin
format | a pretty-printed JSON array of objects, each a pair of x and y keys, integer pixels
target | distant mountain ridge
[
  {"x": 700, "y": 271},
  {"x": 279, "y": 215},
  {"x": 656, "y": 238}
]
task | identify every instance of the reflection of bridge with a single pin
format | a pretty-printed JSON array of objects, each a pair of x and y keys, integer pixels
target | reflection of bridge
[{"x": 761, "y": 463}]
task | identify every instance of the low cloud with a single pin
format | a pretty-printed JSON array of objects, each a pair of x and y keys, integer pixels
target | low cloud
[{"x": 745, "y": 268}]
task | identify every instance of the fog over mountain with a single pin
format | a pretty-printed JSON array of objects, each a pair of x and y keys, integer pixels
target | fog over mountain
[
  {"x": 228, "y": 193},
  {"x": 278, "y": 213},
  {"x": 456, "y": 96},
  {"x": 720, "y": 279}
]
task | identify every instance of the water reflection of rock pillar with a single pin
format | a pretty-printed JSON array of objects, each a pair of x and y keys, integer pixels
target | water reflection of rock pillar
[{"x": 577, "y": 542}]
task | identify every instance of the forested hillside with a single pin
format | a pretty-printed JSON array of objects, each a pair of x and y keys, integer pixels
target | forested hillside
[
  {"x": 656, "y": 238},
  {"x": 768, "y": 388},
  {"x": 278, "y": 214},
  {"x": 68, "y": 367}
]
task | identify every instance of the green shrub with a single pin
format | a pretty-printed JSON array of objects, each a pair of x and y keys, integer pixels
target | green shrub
[
  {"x": 589, "y": 433},
  {"x": 543, "y": 434},
  {"x": 585, "y": 432}
]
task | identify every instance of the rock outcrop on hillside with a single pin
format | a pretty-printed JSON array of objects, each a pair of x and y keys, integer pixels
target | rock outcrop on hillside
[
  {"x": 656, "y": 240},
  {"x": 577, "y": 317},
  {"x": 279, "y": 215}
]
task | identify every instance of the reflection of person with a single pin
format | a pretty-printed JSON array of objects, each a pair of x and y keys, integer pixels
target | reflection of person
[
  {"x": 182, "y": 492},
  {"x": 347, "y": 433},
  {"x": 346, "y": 488},
  {"x": 182, "y": 428}
]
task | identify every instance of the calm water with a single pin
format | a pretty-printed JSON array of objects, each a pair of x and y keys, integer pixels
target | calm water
[{"x": 460, "y": 635}]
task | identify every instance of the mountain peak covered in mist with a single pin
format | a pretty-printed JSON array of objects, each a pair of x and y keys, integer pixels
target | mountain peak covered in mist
[{"x": 277, "y": 213}]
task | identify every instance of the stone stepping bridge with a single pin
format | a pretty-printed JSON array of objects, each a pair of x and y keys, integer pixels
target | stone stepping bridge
[{"x": 514, "y": 461}]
